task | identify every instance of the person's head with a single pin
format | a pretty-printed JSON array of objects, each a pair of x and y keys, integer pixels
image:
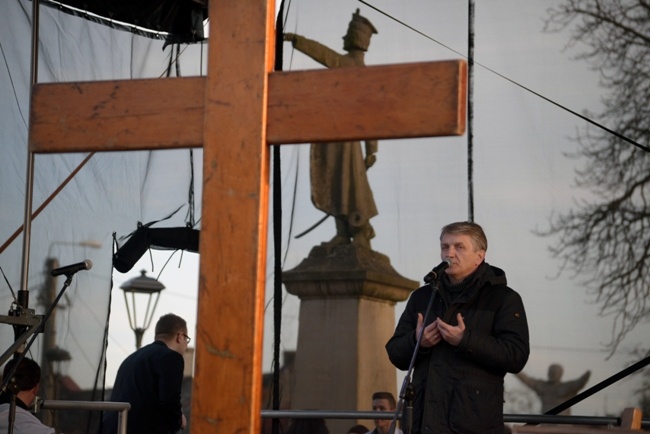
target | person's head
[
  {"x": 464, "y": 244},
  {"x": 25, "y": 379},
  {"x": 359, "y": 32},
  {"x": 172, "y": 330},
  {"x": 555, "y": 372},
  {"x": 383, "y": 401},
  {"x": 358, "y": 429}
]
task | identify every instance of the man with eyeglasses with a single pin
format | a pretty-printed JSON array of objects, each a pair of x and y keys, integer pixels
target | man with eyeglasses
[{"x": 150, "y": 380}]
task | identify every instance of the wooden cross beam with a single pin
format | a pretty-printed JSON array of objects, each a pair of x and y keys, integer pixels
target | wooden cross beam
[
  {"x": 406, "y": 100},
  {"x": 234, "y": 113}
]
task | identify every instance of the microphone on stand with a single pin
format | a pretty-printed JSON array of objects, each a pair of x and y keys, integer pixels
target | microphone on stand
[
  {"x": 433, "y": 274},
  {"x": 69, "y": 270}
]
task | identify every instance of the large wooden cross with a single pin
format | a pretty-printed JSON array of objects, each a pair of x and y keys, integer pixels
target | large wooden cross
[{"x": 235, "y": 112}]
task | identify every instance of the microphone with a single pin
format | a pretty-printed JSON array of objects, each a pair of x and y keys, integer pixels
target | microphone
[
  {"x": 69, "y": 270},
  {"x": 433, "y": 274}
]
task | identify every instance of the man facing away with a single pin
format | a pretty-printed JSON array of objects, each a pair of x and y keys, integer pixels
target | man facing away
[
  {"x": 383, "y": 401},
  {"x": 475, "y": 333},
  {"x": 150, "y": 380},
  {"x": 25, "y": 382}
]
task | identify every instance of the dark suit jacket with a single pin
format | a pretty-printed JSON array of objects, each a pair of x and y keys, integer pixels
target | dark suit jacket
[{"x": 150, "y": 380}]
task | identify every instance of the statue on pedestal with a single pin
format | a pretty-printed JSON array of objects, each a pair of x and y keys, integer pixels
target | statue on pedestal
[
  {"x": 347, "y": 290},
  {"x": 339, "y": 185}
]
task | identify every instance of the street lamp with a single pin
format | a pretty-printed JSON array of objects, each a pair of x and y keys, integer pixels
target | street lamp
[{"x": 142, "y": 286}]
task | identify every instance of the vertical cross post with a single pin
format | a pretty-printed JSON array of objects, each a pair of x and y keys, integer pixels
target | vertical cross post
[{"x": 226, "y": 394}]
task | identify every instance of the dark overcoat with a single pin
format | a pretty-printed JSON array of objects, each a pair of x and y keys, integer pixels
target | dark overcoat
[
  {"x": 460, "y": 389},
  {"x": 150, "y": 380}
]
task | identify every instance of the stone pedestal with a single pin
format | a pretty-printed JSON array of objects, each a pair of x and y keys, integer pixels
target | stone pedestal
[{"x": 347, "y": 314}]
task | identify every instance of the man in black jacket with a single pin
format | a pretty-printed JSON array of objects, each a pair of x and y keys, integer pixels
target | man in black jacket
[
  {"x": 150, "y": 380},
  {"x": 475, "y": 333}
]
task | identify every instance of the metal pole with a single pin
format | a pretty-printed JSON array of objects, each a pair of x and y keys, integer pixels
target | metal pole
[
  {"x": 138, "y": 337},
  {"x": 122, "y": 407},
  {"x": 470, "y": 112},
  {"x": 29, "y": 187}
]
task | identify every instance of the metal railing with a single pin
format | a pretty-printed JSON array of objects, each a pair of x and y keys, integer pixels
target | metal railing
[
  {"x": 610, "y": 421},
  {"x": 124, "y": 407},
  {"x": 121, "y": 407}
]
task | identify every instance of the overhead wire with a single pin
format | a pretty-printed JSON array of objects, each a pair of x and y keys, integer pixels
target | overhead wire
[
  {"x": 13, "y": 86},
  {"x": 555, "y": 103}
]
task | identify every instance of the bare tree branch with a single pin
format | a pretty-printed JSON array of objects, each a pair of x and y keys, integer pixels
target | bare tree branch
[{"x": 607, "y": 239}]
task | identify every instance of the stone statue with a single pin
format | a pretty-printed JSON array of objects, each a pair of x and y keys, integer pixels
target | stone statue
[
  {"x": 552, "y": 392},
  {"x": 339, "y": 185}
]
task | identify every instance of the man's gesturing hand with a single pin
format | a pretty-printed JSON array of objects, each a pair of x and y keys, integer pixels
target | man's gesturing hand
[
  {"x": 451, "y": 334},
  {"x": 431, "y": 335}
]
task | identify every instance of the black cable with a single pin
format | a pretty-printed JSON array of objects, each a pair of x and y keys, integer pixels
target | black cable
[
  {"x": 293, "y": 210},
  {"x": 13, "y": 87},
  {"x": 470, "y": 112},
  {"x": 177, "y": 60},
  {"x": 191, "y": 199},
  {"x": 277, "y": 239}
]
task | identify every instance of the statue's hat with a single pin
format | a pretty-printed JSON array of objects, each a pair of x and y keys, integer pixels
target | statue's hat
[{"x": 360, "y": 30}]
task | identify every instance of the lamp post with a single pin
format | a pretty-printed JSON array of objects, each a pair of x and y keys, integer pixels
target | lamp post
[
  {"x": 143, "y": 287},
  {"x": 56, "y": 358}
]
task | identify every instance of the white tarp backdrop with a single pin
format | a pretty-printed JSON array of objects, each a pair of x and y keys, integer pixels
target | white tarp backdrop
[
  {"x": 521, "y": 177},
  {"x": 110, "y": 194}
]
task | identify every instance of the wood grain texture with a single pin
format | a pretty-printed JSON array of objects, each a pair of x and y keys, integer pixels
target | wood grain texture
[
  {"x": 117, "y": 115},
  {"x": 376, "y": 102},
  {"x": 227, "y": 387},
  {"x": 373, "y": 102}
]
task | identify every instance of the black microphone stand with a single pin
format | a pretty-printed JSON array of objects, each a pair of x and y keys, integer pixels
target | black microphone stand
[
  {"x": 13, "y": 389},
  {"x": 407, "y": 393},
  {"x": 13, "y": 395}
]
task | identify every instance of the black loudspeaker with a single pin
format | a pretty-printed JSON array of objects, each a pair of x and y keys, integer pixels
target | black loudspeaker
[{"x": 144, "y": 238}]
